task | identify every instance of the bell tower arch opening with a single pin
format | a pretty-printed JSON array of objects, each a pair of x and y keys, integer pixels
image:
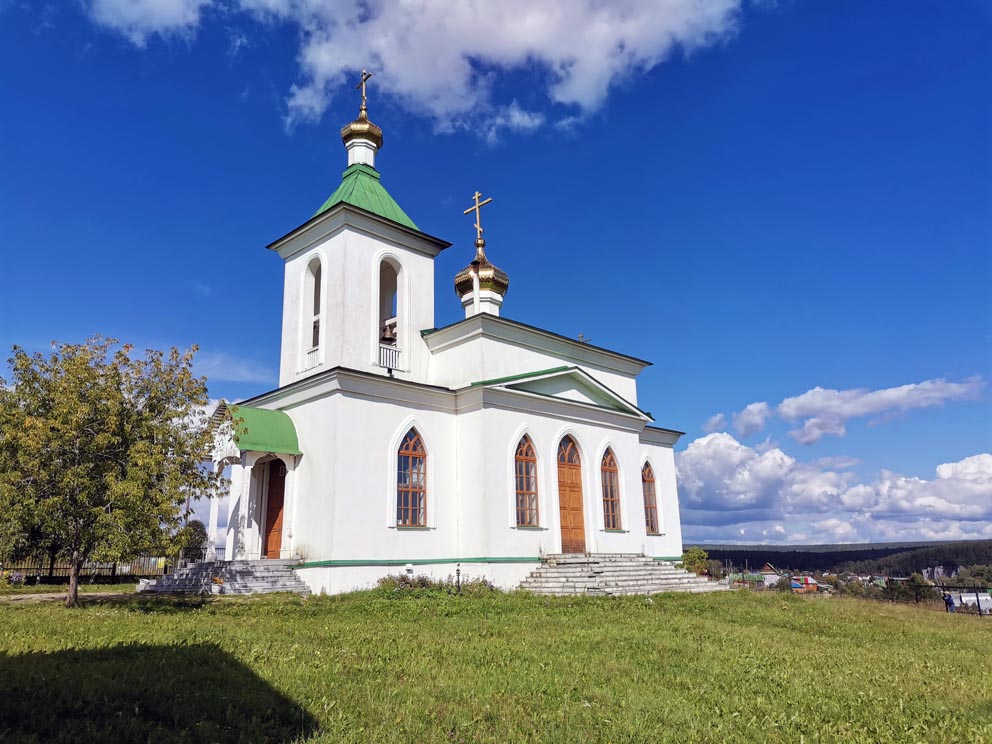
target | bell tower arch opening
[{"x": 389, "y": 311}]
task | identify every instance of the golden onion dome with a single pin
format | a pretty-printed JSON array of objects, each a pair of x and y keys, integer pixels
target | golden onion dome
[
  {"x": 362, "y": 128},
  {"x": 491, "y": 277}
]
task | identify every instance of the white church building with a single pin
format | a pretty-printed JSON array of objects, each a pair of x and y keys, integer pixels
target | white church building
[{"x": 392, "y": 445}]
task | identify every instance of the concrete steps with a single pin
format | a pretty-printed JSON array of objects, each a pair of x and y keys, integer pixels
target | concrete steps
[
  {"x": 239, "y": 577},
  {"x": 613, "y": 574}
]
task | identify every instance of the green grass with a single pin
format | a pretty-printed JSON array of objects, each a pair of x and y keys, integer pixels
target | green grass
[
  {"x": 6, "y": 589},
  {"x": 733, "y": 667}
]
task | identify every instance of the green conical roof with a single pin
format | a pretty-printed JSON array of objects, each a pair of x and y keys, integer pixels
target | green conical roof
[{"x": 360, "y": 187}]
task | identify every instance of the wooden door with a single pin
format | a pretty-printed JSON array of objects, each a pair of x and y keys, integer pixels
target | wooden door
[
  {"x": 573, "y": 530},
  {"x": 273, "y": 509}
]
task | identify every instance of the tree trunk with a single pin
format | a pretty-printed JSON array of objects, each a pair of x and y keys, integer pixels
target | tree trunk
[
  {"x": 75, "y": 567},
  {"x": 51, "y": 566}
]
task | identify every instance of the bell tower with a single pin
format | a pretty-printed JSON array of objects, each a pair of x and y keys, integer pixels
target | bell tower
[{"x": 359, "y": 274}]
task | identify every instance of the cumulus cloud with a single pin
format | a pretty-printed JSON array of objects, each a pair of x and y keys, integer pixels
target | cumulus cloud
[
  {"x": 825, "y": 411},
  {"x": 136, "y": 20},
  {"x": 752, "y": 419},
  {"x": 444, "y": 59},
  {"x": 714, "y": 423},
  {"x": 726, "y": 487}
]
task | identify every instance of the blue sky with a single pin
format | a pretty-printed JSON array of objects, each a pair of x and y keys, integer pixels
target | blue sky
[{"x": 764, "y": 198}]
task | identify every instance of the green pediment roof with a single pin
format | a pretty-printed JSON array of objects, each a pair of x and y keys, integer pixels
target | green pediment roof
[
  {"x": 262, "y": 430},
  {"x": 360, "y": 187}
]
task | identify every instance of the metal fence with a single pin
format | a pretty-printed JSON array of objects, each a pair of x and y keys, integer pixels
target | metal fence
[{"x": 42, "y": 569}]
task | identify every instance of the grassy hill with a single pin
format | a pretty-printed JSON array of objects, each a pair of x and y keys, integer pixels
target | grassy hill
[{"x": 729, "y": 667}]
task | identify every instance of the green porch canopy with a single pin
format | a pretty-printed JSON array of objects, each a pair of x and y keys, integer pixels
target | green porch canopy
[{"x": 261, "y": 430}]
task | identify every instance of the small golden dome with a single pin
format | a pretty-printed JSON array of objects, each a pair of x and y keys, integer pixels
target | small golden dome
[
  {"x": 362, "y": 128},
  {"x": 491, "y": 277}
]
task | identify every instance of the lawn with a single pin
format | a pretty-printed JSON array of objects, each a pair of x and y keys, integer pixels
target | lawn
[{"x": 731, "y": 667}]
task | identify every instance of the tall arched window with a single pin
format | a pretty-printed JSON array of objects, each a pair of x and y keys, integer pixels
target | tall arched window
[
  {"x": 311, "y": 313},
  {"x": 650, "y": 501},
  {"x": 411, "y": 482},
  {"x": 611, "y": 491},
  {"x": 525, "y": 470}
]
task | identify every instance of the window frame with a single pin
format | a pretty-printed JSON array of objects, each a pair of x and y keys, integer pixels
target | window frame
[
  {"x": 525, "y": 458},
  {"x": 649, "y": 487},
  {"x": 403, "y": 512},
  {"x": 609, "y": 471}
]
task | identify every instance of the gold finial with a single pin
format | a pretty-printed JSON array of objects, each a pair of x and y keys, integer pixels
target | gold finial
[
  {"x": 361, "y": 86},
  {"x": 477, "y": 208}
]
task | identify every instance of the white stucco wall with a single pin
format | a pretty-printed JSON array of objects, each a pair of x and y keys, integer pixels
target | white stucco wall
[{"x": 350, "y": 251}]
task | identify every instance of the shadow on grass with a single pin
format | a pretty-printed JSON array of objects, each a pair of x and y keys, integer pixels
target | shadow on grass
[
  {"x": 148, "y": 603},
  {"x": 132, "y": 693}
]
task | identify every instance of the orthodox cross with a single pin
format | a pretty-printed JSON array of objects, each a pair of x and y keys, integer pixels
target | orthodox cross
[
  {"x": 477, "y": 208},
  {"x": 361, "y": 86}
]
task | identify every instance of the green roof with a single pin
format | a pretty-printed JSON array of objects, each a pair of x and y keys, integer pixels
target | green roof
[
  {"x": 524, "y": 376},
  {"x": 261, "y": 430},
  {"x": 360, "y": 188}
]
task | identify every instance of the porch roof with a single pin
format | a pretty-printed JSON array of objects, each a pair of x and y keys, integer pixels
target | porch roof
[{"x": 262, "y": 430}]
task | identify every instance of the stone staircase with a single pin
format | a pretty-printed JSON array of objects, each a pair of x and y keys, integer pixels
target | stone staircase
[
  {"x": 612, "y": 574},
  {"x": 240, "y": 577}
]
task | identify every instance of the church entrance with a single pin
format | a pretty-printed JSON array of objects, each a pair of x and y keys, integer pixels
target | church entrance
[
  {"x": 275, "y": 495},
  {"x": 573, "y": 530}
]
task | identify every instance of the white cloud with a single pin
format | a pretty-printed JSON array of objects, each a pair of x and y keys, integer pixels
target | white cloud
[
  {"x": 728, "y": 488},
  {"x": 512, "y": 118},
  {"x": 444, "y": 59},
  {"x": 714, "y": 423},
  {"x": 752, "y": 419},
  {"x": 230, "y": 368},
  {"x": 136, "y": 20},
  {"x": 825, "y": 412}
]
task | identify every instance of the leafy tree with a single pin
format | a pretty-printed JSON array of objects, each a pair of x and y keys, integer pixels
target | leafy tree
[
  {"x": 99, "y": 451},
  {"x": 784, "y": 584},
  {"x": 974, "y": 576},
  {"x": 695, "y": 559},
  {"x": 715, "y": 569}
]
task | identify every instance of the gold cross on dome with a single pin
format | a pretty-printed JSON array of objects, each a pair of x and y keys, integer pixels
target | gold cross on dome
[
  {"x": 477, "y": 208},
  {"x": 361, "y": 86}
]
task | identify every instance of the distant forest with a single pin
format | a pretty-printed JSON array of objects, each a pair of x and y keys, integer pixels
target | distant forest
[{"x": 892, "y": 559}]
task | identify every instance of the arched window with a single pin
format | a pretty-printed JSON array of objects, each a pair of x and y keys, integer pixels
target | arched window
[
  {"x": 650, "y": 501},
  {"x": 525, "y": 470},
  {"x": 311, "y": 314},
  {"x": 568, "y": 453},
  {"x": 611, "y": 491},
  {"x": 411, "y": 482}
]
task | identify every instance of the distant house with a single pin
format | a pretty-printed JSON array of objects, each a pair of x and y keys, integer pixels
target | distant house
[
  {"x": 770, "y": 575},
  {"x": 804, "y": 585},
  {"x": 747, "y": 579}
]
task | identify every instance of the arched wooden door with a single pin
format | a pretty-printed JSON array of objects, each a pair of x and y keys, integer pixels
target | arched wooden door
[
  {"x": 274, "y": 509},
  {"x": 573, "y": 530}
]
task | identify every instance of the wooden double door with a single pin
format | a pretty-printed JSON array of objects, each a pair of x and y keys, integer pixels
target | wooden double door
[
  {"x": 274, "y": 502},
  {"x": 570, "y": 510}
]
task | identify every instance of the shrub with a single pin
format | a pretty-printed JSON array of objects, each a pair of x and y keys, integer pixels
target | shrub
[
  {"x": 423, "y": 585},
  {"x": 695, "y": 559}
]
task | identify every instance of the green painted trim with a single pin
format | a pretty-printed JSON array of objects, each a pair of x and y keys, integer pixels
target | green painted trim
[
  {"x": 532, "y": 527},
  {"x": 418, "y": 561},
  {"x": 676, "y": 559},
  {"x": 616, "y": 531},
  {"x": 524, "y": 376}
]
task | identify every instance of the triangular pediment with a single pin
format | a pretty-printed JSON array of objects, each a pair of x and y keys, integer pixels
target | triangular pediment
[{"x": 569, "y": 384}]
